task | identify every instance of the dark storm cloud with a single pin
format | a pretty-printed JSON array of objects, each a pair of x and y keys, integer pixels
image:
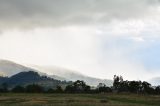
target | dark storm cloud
[{"x": 33, "y": 13}]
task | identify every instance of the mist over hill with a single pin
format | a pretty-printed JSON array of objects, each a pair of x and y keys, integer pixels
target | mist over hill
[
  {"x": 155, "y": 81},
  {"x": 16, "y": 72},
  {"x": 31, "y": 77},
  {"x": 9, "y": 68},
  {"x": 70, "y": 75}
]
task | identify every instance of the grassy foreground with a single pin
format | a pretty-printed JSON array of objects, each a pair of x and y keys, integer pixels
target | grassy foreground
[{"x": 11, "y": 99}]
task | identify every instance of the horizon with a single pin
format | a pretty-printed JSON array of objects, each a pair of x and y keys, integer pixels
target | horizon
[{"x": 96, "y": 38}]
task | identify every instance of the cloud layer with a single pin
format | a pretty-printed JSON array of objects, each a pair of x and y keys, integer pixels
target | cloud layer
[
  {"x": 40, "y": 13},
  {"x": 99, "y": 38}
]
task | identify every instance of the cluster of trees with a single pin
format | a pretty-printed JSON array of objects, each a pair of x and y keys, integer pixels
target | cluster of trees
[
  {"x": 33, "y": 88},
  {"x": 119, "y": 85},
  {"x": 76, "y": 87},
  {"x": 81, "y": 87}
]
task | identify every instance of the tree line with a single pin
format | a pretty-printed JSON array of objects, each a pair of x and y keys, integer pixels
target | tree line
[
  {"x": 139, "y": 87},
  {"x": 119, "y": 85}
]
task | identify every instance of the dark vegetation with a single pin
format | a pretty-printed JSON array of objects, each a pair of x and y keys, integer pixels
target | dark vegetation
[
  {"x": 137, "y": 87},
  {"x": 29, "y": 78},
  {"x": 32, "y": 82},
  {"x": 42, "y": 93}
]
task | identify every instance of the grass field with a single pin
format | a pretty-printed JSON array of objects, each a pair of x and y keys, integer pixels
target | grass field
[{"x": 11, "y": 99}]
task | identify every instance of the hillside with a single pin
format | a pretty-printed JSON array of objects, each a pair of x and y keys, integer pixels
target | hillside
[
  {"x": 72, "y": 75},
  {"x": 9, "y": 68},
  {"x": 31, "y": 77}
]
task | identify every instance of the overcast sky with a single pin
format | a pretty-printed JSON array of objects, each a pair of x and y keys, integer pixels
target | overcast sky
[{"x": 98, "y": 38}]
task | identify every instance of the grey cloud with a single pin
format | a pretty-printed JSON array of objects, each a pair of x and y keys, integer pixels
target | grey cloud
[{"x": 32, "y": 13}]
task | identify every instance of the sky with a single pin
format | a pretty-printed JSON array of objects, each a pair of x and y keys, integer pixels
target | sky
[{"x": 98, "y": 38}]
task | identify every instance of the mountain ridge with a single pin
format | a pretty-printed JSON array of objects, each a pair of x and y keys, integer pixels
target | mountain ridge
[
  {"x": 10, "y": 68},
  {"x": 31, "y": 77},
  {"x": 70, "y": 75}
]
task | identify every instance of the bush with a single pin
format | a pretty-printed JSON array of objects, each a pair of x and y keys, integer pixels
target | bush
[
  {"x": 34, "y": 88},
  {"x": 18, "y": 89}
]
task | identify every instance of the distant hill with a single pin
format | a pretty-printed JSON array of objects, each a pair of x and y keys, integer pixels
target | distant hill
[
  {"x": 31, "y": 77},
  {"x": 9, "y": 68},
  {"x": 72, "y": 75},
  {"x": 155, "y": 81}
]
